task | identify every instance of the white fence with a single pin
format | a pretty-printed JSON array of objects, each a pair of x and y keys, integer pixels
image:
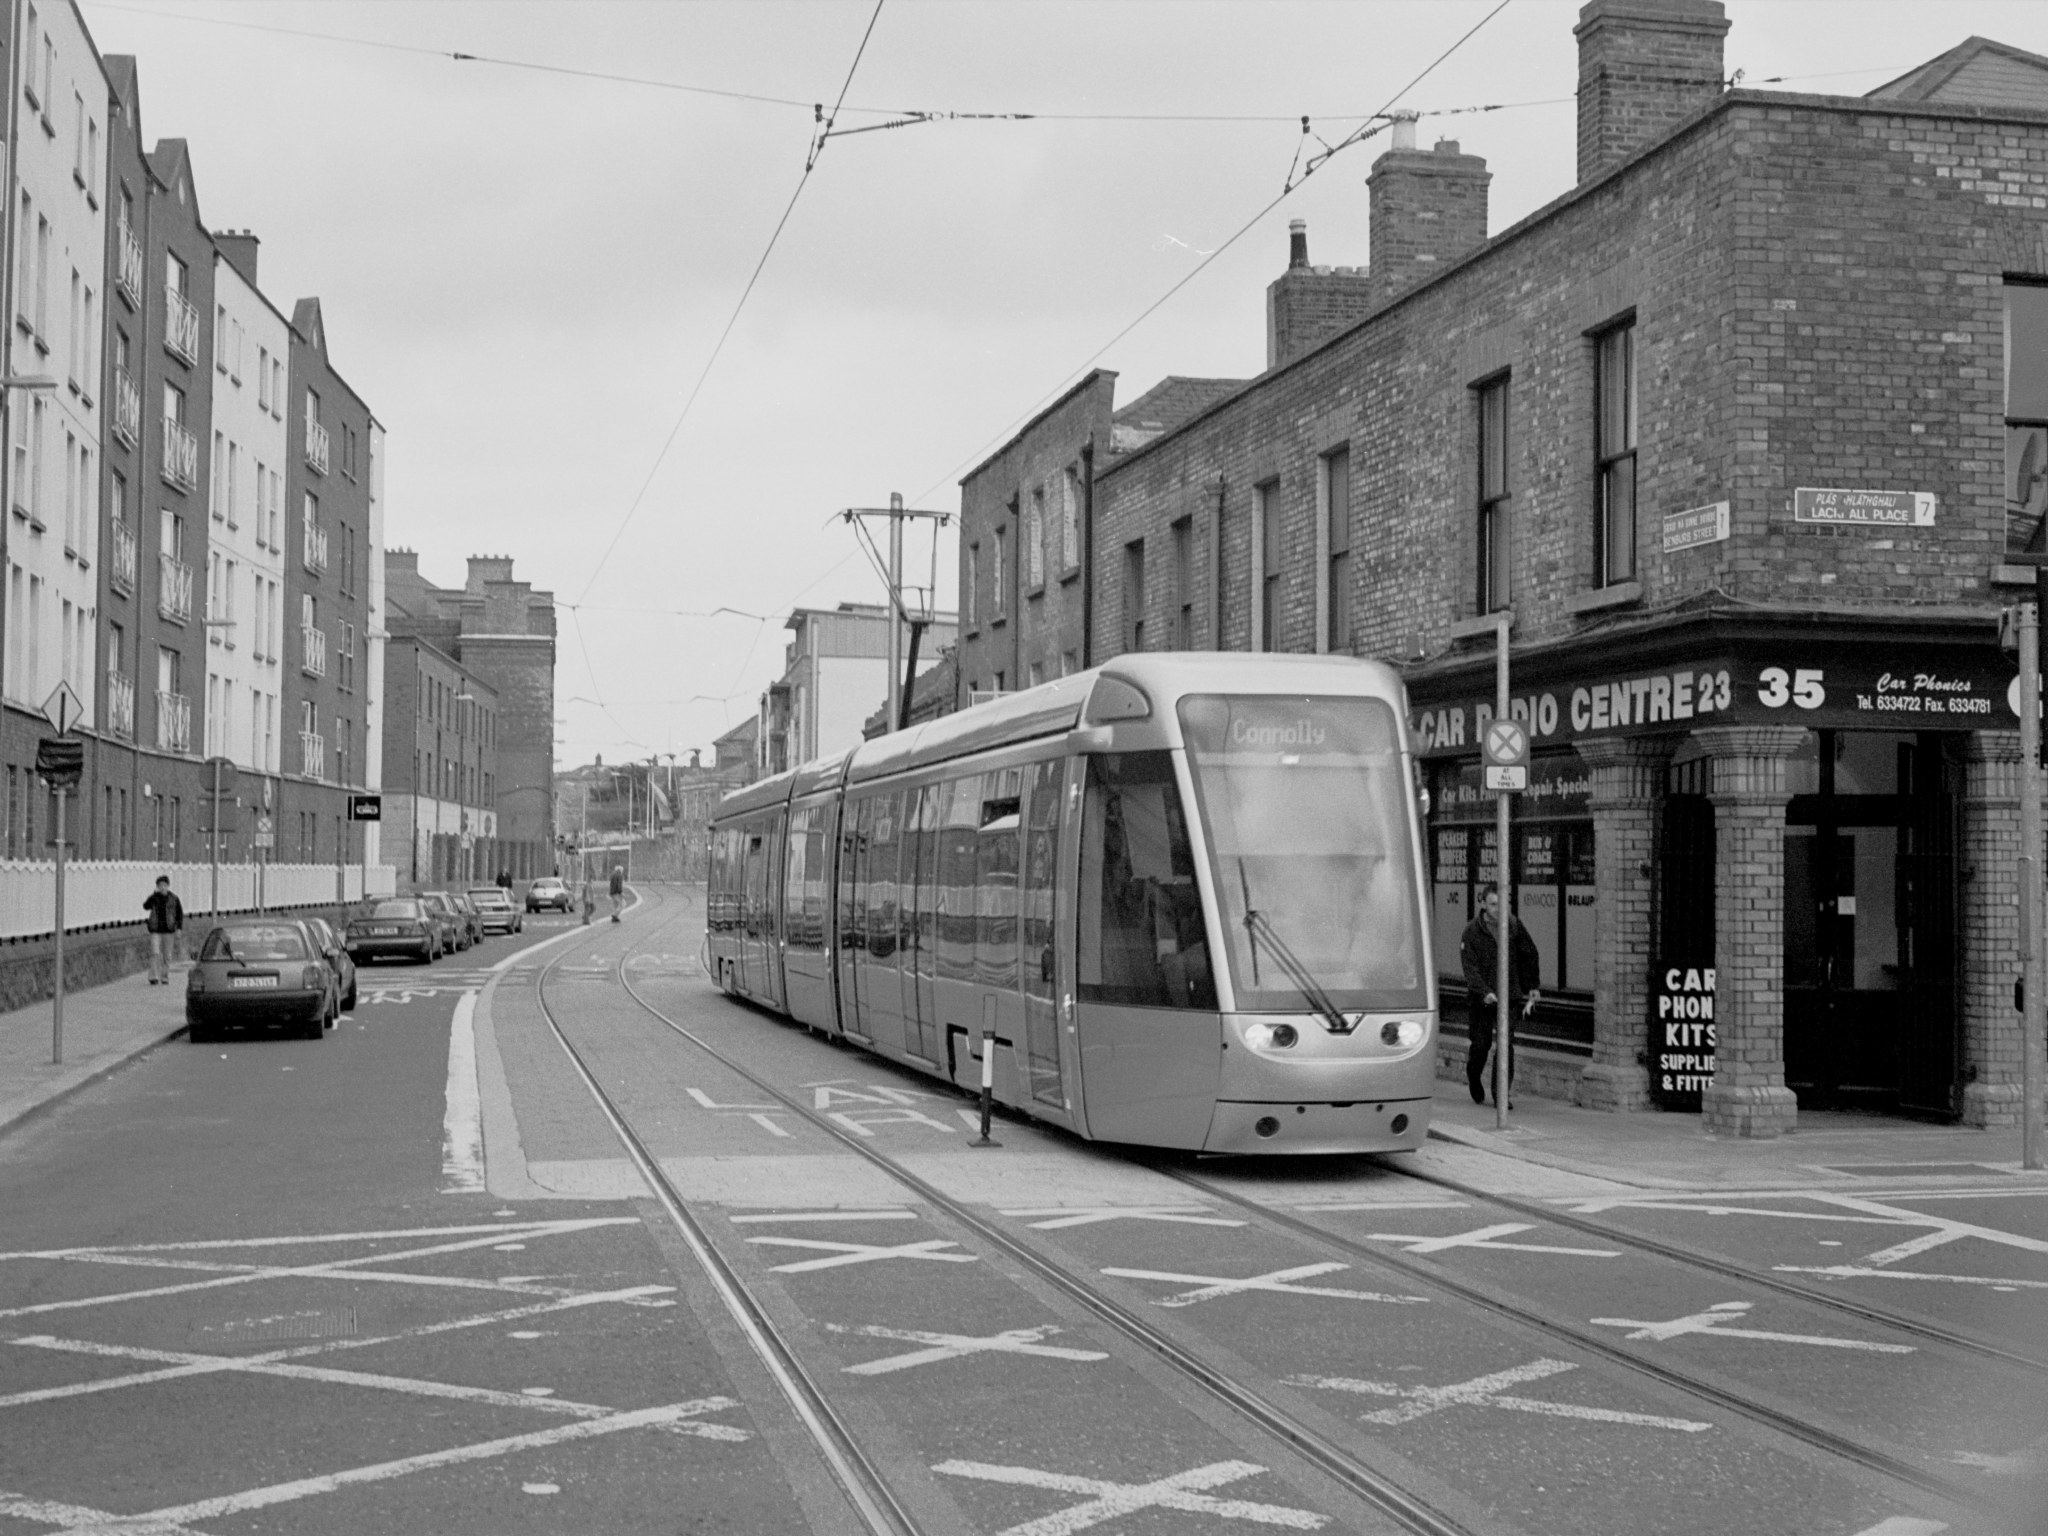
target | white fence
[{"x": 100, "y": 893}]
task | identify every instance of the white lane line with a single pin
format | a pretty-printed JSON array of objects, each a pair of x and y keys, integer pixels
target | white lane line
[
  {"x": 859, "y": 1215},
  {"x": 861, "y": 1253},
  {"x": 503, "y": 1228},
  {"x": 1904, "y": 1525},
  {"x": 1108, "y": 1501},
  {"x": 1382, "y": 1205},
  {"x": 705, "y": 1101},
  {"x": 1280, "y": 1280},
  {"x": 1860, "y": 1272},
  {"x": 1062, "y": 1216},
  {"x": 769, "y": 1124},
  {"x": 955, "y": 1346},
  {"x": 462, "y": 1126},
  {"x": 1617, "y": 1203},
  {"x": 1486, "y": 1237},
  {"x": 1712, "y": 1323},
  {"x": 1488, "y": 1392},
  {"x": 331, "y": 1346},
  {"x": 331, "y": 1376},
  {"x": 1946, "y": 1230}
]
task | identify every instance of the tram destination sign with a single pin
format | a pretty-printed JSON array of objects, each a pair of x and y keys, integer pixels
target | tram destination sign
[{"x": 1876, "y": 509}]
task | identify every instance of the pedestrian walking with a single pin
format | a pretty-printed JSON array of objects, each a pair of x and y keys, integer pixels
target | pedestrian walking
[
  {"x": 165, "y": 921},
  {"x": 618, "y": 884},
  {"x": 1479, "y": 953},
  {"x": 504, "y": 879}
]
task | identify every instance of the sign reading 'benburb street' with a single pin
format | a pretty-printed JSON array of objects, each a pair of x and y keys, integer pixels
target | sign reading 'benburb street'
[
  {"x": 1882, "y": 509},
  {"x": 1695, "y": 526}
]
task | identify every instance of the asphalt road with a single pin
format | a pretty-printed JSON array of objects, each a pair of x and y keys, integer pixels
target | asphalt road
[{"x": 279, "y": 1285}]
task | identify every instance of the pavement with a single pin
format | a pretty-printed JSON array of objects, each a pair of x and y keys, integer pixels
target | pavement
[{"x": 107, "y": 1026}]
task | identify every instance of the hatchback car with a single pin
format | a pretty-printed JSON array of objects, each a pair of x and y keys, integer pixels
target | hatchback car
[
  {"x": 549, "y": 892},
  {"x": 260, "y": 972},
  {"x": 472, "y": 920},
  {"x": 336, "y": 954},
  {"x": 494, "y": 907},
  {"x": 454, "y": 929},
  {"x": 396, "y": 925}
]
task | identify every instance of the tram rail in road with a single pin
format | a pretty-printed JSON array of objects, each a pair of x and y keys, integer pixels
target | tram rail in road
[{"x": 867, "y": 1487}]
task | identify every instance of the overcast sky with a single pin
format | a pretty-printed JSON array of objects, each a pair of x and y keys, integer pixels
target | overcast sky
[{"x": 524, "y": 267}]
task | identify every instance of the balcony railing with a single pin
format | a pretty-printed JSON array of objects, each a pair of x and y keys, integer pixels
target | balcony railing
[
  {"x": 127, "y": 408},
  {"x": 121, "y": 703},
  {"x": 316, "y": 548},
  {"x": 130, "y": 280},
  {"x": 181, "y": 456},
  {"x": 313, "y": 653},
  {"x": 316, "y": 446},
  {"x": 173, "y": 722},
  {"x": 125, "y": 559},
  {"x": 181, "y": 325},
  {"x": 173, "y": 589},
  {"x": 312, "y": 755}
]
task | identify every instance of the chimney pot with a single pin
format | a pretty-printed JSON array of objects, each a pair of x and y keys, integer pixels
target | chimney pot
[
  {"x": 1297, "y": 243},
  {"x": 1404, "y": 128}
]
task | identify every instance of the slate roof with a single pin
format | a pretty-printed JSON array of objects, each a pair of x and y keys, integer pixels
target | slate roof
[
  {"x": 1173, "y": 400},
  {"x": 1977, "y": 72}
]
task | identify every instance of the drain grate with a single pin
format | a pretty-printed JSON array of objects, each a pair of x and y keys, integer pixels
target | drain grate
[{"x": 336, "y": 1323}]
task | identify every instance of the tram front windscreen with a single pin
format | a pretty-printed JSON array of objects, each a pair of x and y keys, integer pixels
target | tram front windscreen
[{"x": 1305, "y": 804}]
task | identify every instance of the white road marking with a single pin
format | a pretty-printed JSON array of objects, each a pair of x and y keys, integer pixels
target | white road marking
[
  {"x": 462, "y": 1126},
  {"x": 545, "y": 1228},
  {"x": 1091, "y": 1215},
  {"x": 769, "y": 1125},
  {"x": 954, "y": 1346},
  {"x": 1280, "y": 1280},
  {"x": 2027, "y": 1461},
  {"x": 1487, "y": 1392},
  {"x": 861, "y": 1215},
  {"x": 171, "y": 1520},
  {"x": 1712, "y": 1322},
  {"x": 901, "y": 1114},
  {"x": 1904, "y": 1525},
  {"x": 705, "y": 1101},
  {"x": 1604, "y": 1203},
  {"x": 1109, "y": 1501},
  {"x": 861, "y": 1253},
  {"x": 1945, "y": 1230},
  {"x": 1486, "y": 1237},
  {"x": 1863, "y": 1272},
  {"x": 1382, "y": 1205}
]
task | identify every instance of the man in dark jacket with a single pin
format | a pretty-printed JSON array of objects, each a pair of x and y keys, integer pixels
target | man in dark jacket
[
  {"x": 618, "y": 888},
  {"x": 166, "y": 918},
  {"x": 1479, "y": 952}
]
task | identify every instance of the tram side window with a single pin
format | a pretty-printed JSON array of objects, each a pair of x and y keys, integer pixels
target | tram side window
[
  {"x": 1041, "y": 853},
  {"x": 1141, "y": 941},
  {"x": 919, "y": 874},
  {"x": 878, "y": 870},
  {"x": 854, "y": 827},
  {"x": 793, "y": 873},
  {"x": 759, "y": 919},
  {"x": 958, "y": 829},
  {"x": 995, "y": 882}
]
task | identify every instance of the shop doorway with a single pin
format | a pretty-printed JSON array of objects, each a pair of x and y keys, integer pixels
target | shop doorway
[{"x": 1872, "y": 1017}]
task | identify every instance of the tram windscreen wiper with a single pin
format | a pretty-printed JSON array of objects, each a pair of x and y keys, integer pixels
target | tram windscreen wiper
[{"x": 1255, "y": 923}]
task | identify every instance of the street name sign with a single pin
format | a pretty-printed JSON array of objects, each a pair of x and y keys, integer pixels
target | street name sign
[
  {"x": 1881, "y": 509},
  {"x": 1695, "y": 526}
]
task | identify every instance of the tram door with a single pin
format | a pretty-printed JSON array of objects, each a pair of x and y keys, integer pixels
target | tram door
[
  {"x": 1044, "y": 791},
  {"x": 759, "y": 975},
  {"x": 921, "y": 809}
]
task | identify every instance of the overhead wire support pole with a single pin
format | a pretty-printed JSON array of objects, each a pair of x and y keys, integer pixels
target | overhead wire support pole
[
  {"x": 899, "y": 614},
  {"x": 2033, "y": 931}
]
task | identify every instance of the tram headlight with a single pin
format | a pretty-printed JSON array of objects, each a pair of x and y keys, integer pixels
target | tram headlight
[
  {"x": 1401, "y": 1032},
  {"x": 1262, "y": 1036}
]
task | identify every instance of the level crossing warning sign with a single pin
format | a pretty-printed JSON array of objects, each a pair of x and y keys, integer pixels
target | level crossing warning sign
[{"x": 1504, "y": 752}]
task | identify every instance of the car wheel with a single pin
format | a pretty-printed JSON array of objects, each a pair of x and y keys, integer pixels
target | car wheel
[
  {"x": 348, "y": 1004},
  {"x": 317, "y": 1030}
]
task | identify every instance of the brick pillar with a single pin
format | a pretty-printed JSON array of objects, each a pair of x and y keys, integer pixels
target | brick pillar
[
  {"x": 1748, "y": 1096},
  {"x": 1627, "y": 784},
  {"x": 1990, "y": 923}
]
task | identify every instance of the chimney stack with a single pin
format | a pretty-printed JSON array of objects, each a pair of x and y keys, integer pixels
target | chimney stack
[
  {"x": 1307, "y": 305},
  {"x": 1644, "y": 67},
  {"x": 1428, "y": 209},
  {"x": 239, "y": 247}
]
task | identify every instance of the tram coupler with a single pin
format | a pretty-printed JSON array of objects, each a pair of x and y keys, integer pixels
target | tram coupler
[{"x": 988, "y": 1089}]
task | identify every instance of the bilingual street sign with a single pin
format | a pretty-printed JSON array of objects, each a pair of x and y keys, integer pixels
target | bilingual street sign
[
  {"x": 365, "y": 807},
  {"x": 1695, "y": 527},
  {"x": 1880, "y": 509},
  {"x": 62, "y": 708}
]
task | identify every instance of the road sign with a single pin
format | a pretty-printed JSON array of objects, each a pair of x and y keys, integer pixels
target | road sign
[
  {"x": 1505, "y": 744},
  {"x": 365, "y": 807},
  {"x": 62, "y": 708},
  {"x": 1507, "y": 778},
  {"x": 60, "y": 761}
]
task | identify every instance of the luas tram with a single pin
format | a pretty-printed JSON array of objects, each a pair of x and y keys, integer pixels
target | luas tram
[{"x": 1182, "y": 894}]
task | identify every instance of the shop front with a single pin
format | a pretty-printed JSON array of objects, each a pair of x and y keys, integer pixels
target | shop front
[{"x": 1767, "y": 866}]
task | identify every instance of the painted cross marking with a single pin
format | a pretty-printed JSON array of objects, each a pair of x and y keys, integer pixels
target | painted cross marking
[
  {"x": 1107, "y": 1500},
  {"x": 1486, "y": 1237},
  {"x": 1090, "y": 1215},
  {"x": 1487, "y": 1392},
  {"x": 955, "y": 1346},
  {"x": 1713, "y": 1321},
  {"x": 1208, "y": 1287},
  {"x": 861, "y": 1253}
]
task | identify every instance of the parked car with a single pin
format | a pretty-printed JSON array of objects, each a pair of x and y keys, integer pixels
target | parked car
[
  {"x": 549, "y": 892},
  {"x": 454, "y": 932},
  {"x": 494, "y": 907},
  {"x": 472, "y": 920},
  {"x": 395, "y": 925},
  {"x": 261, "y": 972},
  {"x": 336, "y": 953}
]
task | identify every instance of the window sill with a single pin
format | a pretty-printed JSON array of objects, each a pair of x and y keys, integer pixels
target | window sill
[
  {"x": 1073, "y": 574},
  {"x": 1032, "y": 594},
  {"x": 1483, "y": 625},
  {"x": 1619, "y": 595}
]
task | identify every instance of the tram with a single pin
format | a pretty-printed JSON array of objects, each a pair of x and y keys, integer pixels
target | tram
[{"x": 1181, "y": 896}]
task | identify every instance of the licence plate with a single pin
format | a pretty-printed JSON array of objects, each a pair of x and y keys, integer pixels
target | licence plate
[
  {"x": 384, "y": 932},
  {"x": 252, "y": 981}
]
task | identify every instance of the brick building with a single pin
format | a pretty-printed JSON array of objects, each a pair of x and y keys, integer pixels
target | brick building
[
  {"x": 440, "y": 770},
  {"x": 502, "y": 633},
  {"x": 1732, "y": 438}
]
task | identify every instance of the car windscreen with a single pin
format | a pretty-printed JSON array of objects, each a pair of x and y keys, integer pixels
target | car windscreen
[
  {"x": 437, "y": 902},
  {"x": 490, "y": 898},
  {"x": 254, "y": 943},
  {"x": 409, "y": 909}
]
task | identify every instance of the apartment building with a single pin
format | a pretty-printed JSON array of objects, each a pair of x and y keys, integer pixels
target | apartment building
[
  {"x": 440, "y": 770},
  {"x": 55, "y": 291}
]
